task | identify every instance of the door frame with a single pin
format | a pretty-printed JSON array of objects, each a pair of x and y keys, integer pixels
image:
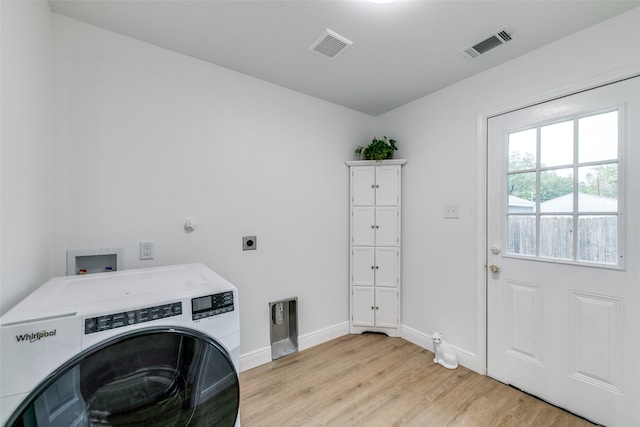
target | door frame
[{"x": 483, "y": 117}]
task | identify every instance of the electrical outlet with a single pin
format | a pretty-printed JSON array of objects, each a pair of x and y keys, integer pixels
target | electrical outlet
[
  {"x": 146, "y": 250},
  {"x": 451, "y": 211},
  {"x": 249, "y": 243}
]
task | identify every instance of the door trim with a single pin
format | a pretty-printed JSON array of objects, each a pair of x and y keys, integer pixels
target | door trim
[{"x": 483, "y": 117}]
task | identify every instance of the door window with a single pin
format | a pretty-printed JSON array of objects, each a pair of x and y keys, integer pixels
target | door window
[{"x": 563, "y": 185}]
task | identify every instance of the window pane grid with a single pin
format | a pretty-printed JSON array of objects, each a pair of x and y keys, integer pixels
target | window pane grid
[{"x": 562, "y": 186}]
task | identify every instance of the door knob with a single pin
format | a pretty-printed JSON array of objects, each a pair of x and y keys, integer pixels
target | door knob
[{"x": 494, "y": 268}]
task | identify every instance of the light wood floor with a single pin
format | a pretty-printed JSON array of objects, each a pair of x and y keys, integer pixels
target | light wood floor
[{"x": 374, "y": 380}]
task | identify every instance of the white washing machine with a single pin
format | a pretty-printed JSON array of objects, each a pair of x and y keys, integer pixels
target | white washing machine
[{"x": 148, "y": 347}]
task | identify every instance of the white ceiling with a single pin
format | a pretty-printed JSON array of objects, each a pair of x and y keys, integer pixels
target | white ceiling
[{"x": 401, "y": 51}]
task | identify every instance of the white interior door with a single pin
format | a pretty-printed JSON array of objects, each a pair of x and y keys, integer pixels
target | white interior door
[
  {"x": 387, "y": 266},
  {"x": 563, "y": 236},
  {"x": 363, "y": 220},
  {"x": 386, "y": 226},
  {"x": 363, "y": 305},
  {"x": 362, "y": 265},
  {"x": 386, "y": 307},
  {"x": 363, "y": 188},
  {"x": 387, "y": 185}
]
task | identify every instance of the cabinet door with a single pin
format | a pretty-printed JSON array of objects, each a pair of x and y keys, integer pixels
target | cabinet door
[
  {"x": 362, "y": 226},
  {"x": 362, "y": 306},
  {"x": 387, "y": 185},
  {"x": 386, "y": 307},
  {"x": 362, "y": 266},
  {"x": 387, "y": 269},
  {"x": 363, "y": 185},
  {"x": 387, "y": 222}
]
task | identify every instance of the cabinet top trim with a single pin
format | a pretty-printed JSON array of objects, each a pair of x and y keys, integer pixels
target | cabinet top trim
[{"x": 375, "y": 163}]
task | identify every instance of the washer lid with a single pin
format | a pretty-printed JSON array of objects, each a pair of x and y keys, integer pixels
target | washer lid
[
  {"x": 160, "y": 376},
  {"x": 91, "y": 293}
]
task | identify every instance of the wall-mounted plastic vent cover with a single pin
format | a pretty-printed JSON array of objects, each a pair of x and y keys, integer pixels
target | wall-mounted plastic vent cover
[
  {"x": 330, "y": 44},
  {"x": 497, "y": 39}
]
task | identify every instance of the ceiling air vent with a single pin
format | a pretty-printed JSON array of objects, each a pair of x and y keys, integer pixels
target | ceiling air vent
[
  {"x": 497, "y": 39},
  {"x": 330, "y": 44}
]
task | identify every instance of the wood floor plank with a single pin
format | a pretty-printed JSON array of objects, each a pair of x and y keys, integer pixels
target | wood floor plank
[{"x": 374, "y": 380}]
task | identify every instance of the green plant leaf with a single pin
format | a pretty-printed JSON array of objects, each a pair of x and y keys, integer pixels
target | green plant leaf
[{"x": 378, "y": 150}]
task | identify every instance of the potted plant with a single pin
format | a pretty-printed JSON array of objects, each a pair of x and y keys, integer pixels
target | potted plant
[{"x": 378, "y": 150}]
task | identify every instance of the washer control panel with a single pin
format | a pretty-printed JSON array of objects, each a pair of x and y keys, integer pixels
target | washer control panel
[
  {"x": 132, "y": 317},
  {"x": 211, "y": 305}
]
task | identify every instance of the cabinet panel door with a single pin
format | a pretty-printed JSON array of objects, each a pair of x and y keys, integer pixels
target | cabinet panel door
[
  {"x": 362, "y": 306},
  {"x": 387, "y": 266},
  {"x": 387, "y": 185},
  {"x": 386, "y": 307},
  {"x": 362, "y": 220},
  {"x": 387, "y": 226},
  {"x": 362, "y": 265},
  {"x": 362, "y": 185}
]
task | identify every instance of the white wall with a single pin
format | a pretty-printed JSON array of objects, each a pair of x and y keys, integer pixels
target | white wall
[
  {"x": 439, "y": 136},
  {"x": 146, "y": 138},
  {"x": 26, "y": 152}
]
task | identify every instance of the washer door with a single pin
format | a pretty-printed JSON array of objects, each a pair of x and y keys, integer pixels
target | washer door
[{"x": 152, "y": 377}]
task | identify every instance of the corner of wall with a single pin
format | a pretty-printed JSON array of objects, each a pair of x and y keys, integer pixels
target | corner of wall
[{"x": 27, "y": 146}]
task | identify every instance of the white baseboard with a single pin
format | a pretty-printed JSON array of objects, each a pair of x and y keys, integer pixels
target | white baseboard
[
  {"x": 323, "y": 335},
  {"x": 418, "y": 338},
  {"x": 255, "y": 358},
  {"x": 465, "y": 358},
  {"x": 262, "y": 355}
]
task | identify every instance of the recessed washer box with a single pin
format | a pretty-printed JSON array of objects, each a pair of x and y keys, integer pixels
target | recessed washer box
[
  {"x": 284, "y": 327},
  {"x": 99, "y": 260}
]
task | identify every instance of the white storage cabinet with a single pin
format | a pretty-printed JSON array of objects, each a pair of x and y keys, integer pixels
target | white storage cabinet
[{"x": 375, "y": 246}]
